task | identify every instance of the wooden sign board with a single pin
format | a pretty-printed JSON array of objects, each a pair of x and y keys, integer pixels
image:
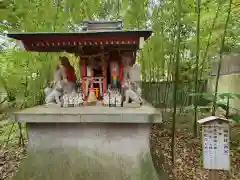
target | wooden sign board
[{"x": 215, "y": 143}]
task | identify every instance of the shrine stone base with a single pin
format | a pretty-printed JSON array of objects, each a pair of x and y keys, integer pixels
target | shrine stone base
[{"x": 115, "y": 139}]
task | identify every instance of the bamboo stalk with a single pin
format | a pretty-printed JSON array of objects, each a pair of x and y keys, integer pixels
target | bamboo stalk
[
  {"x": 56, "y": 15},
  {"x": 209, "y": 40},
  {"x": 198, "y": 2},
  {"x": 220, "y": 58},
  {"x": 179, "y": 12}
]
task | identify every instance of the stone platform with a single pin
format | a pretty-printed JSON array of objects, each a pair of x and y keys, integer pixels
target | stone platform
[
  {"x": 123, "y": 131},
  {"x": 132, "y": 113}
]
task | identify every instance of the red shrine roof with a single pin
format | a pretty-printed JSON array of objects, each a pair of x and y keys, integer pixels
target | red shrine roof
[{"x": 84, "y": 42}]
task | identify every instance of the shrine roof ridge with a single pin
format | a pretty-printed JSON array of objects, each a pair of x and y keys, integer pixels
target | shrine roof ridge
[
  {"x": 212, "y": 118},
  {"x": 145, "y": 33},
  {"x": 102, "y": 21}
]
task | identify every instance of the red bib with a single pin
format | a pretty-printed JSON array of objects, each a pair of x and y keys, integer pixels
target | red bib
[{"x": 71, "y": 76}]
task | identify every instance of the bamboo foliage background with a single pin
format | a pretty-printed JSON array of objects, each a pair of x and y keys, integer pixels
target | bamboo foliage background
[
  {"x": 175, "y": 61},
  {"x": 157, "y": 59}
]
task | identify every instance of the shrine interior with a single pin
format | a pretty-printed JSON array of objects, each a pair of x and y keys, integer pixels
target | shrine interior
[{"x": 107, "y": 67}]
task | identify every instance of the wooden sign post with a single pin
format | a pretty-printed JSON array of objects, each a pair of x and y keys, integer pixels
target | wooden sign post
[{"x": 215, "y": 143}]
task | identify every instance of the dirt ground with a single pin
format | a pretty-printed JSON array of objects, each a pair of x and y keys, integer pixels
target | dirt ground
[
  {"x": 188, "y": 150},
  {"x": 188, "y": 164}
]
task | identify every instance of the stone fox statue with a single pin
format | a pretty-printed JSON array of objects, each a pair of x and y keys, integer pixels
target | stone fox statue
[
  {"x": 130, "y": 88},
  {"x": 62, "y": 85},
  {"x": 54, "y": 94},
  {"x": 130, "y": 93}
]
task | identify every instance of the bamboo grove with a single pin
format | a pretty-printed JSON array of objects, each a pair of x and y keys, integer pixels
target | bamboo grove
[{"x": 187, "y": 35}]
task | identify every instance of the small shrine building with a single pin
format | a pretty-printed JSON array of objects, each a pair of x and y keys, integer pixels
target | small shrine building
[{"x": 104, "y": 49}]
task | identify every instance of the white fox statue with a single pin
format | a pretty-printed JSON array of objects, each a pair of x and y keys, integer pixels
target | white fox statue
[{"x": 135, "y": 96}]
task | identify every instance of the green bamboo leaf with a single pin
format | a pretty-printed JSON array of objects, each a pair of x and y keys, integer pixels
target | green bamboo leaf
[{"x": 226, "y": 95}]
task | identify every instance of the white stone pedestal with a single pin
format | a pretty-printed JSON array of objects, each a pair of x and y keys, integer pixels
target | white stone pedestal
[{"x": 122, "y": 132}]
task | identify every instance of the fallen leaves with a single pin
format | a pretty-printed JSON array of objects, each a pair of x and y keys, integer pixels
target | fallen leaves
[
  {"x": 10, "y": 159},
  {"x": 188, "y": 162}
]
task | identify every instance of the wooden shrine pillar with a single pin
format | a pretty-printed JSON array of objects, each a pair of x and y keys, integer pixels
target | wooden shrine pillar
[
  {"x": 104, "y": 69},
  {"x": 83, "y": 75},
  {"x": 120, "y": 74}
]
